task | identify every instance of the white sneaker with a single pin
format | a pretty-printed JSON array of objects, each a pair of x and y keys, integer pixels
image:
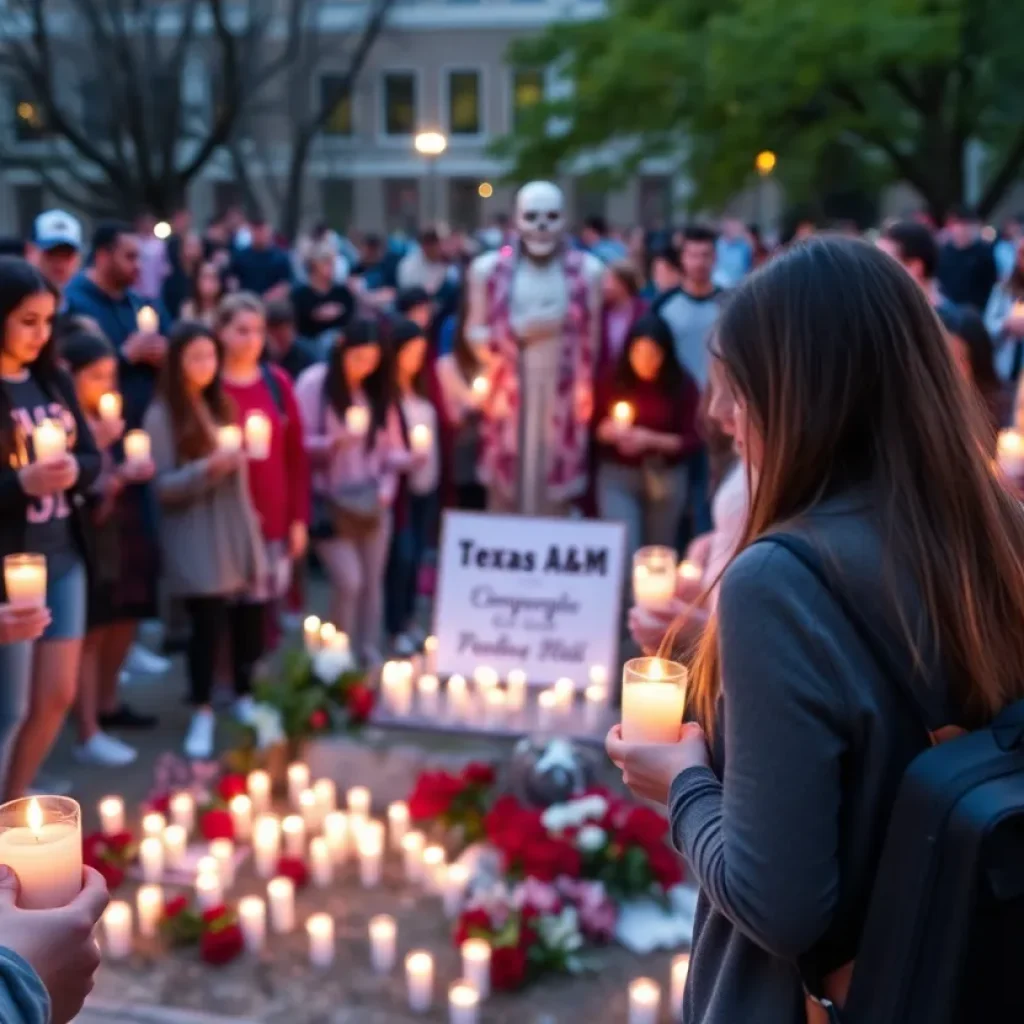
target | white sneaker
[
  {"x": 108, "y": 751},
  {"x": 199, "y": 739},
  {"x": 244, "y": 709},
  {"x": 142, "y": 659}
]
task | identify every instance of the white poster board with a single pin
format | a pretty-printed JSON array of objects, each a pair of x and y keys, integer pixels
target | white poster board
[{"x": 541, "y": 595}]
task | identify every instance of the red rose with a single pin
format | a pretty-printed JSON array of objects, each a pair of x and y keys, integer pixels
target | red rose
[
  {"x": 548, "y": 859},
  {"x": 513, "y": 829},
  {"x": 471, "y": 922},
  {"x": 112, "y": 874},
  {"x": 160, "y": 804},
  {"x": 174, "y": 907},
  {"x": 120, "y": 842},
  {"x": 295, "y": 869},
  {"x": 94, "y": 848},
  {"x": 360, "y": 702},
  {"x": 231, "y": 786},
  {"x": 214, "y": 913},
  {"x": 318, "y": 720},
  {"x": 476, "y": 773},
  {"x": 665, "y": 866},
  {"x": 642, "y": 827},
  {"x": 433, "y": 794},
  {"x": 222, "y": 945},
  {"x": 217, "y": 824},
  {"x": 508, "y": 968}
]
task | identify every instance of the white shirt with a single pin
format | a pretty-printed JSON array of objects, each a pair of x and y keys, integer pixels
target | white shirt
[
  {"x": 729, "y": 510},
  {"x": 424, "y": 478}
]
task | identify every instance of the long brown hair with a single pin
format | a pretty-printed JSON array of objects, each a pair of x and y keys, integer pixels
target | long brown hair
[
  {"x": 847, "y": 380},
  {"x": 192, "y": 439}
]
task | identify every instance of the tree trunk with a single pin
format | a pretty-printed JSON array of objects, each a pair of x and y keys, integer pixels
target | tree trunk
[{"x": 291, "y": 216}]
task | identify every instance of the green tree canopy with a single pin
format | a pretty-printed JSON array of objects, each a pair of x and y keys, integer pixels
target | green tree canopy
[{"x": 908, "y": 83}]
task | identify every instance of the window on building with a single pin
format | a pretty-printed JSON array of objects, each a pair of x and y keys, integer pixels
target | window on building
[
  {"x": 527, "y": 92},
  {"x": 464, "y": 107},
  {"x": 332, "y": 88},
  {"x": 337, "y": 201},
  {"x": 28, "y": 118},
  {"x": 399, "y": 103},
  {"x": 464, "y": 203}
]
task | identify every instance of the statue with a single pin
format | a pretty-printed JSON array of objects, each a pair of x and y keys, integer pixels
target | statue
[{"x": 535, "y": 314}]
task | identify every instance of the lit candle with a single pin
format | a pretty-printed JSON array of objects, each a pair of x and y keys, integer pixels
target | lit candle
[
  {"x": 293, "y": 829},
  {"x": 241, "y": 817},
  {"x": 336, "y": 832},
  {"x": 480, "y": 387},
  {"x": 644, "y": 1001},
  {"x": 266, "y": 844},
  {"x": 49, "y": 441},
  {"x": 336, "y": 640},
  {"x": 257, "y": 436},
  {"x": 398, "y": 823},
  {"x": 151, "y": 858},
  {"x": 485, "y": 677},
  {"x": 370, "y": 843},
  {"x": 209, "y": 890},
  {"x": 320, "y": 929},
  {"x": 357, "y": 420},
  {"x": 691, "y": 572},
  {"x": 565, "y": 692},
  {"x": 109, "y": 406},
  {"x": 456, "y": 878},
  {"x": 476, "y": 964},
  {"x": 429, "y": 687},
  {"x": 223, "y": 852},
  {"x": 175, "y": 840},
  {"x": 25, "y": 580},
  {"x": 458, "y": 700},
  {"x": 252, "y": 920},
  {"x": 595, "y": 699},
  {"x": 229, "y": 437},
  {"x": 183, "y": 811},
  {"x": 137, "y": 447},
  {"x": 281, "y": 896},
  {"x": 117, "y": 930},
  {"x": 430, "y": 653},
  {"x": 147, "y": 320},
  {"x": 1010, "y": 452},
  {"x": 653, "y": 696},
  {"x": 463, "y": 1004},
  {"x": 412, "y": 855},
  {"x": 298, "y": 781},
  {"x": 547, "y": 707},
  {"x": 680, "y": 972},
  {"x": 623, "y": 415},
  {"x": 321, "y": 863},
  {"x": 494, "y": 707},
  {"x": 328, "y": 633},
  {"x": 326, "y": 795},
  {"x": 153, "y": 824},
  {"x": 654, "y": 576},
  {"x": 358, "y": 800},
  {"x": 258, "y": 785},
  {"x": 421, "y": 437},
  {"x": 419, "y": 977},
  {"x": 434, "y": 863},
  {"x": 382, "y": 943},
  {"x": 112, "y": 815},
  {"x": 149, "y": 904},
  {"x": 516, "y": 689},
  {"x": 311, "y": 633},
  {"x": 598, "y": 675},
  {"x": 309, "y": 809}
]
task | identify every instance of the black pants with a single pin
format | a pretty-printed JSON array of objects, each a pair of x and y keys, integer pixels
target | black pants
[
  {"x": 214, "y": 618},
  {"x": 471, "y": 497}
]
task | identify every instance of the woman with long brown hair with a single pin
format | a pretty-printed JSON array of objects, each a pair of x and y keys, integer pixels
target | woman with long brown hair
[{"x": 863, "y": 444}]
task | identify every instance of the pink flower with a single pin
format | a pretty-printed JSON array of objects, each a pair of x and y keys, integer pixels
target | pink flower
[{"x": 541, "y": 896}]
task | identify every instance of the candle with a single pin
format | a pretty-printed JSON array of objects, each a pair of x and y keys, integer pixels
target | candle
[
  {"x": 654, "y": 576},
  {"x": 485, "y": 677},
  {"x": 257, "y": 436},
  {"x": 241, "y": 817},
  {"x": 321, "y": 863},
  {"x": 358, "y": 799},
  {"x": 112, "y": 815},
  {"x": 298, "y": 781},
  {"x": 494, "y": 707},
  {"x": 680, "y": 972},
  {"x": 151, "y": 858},
  {"x": 183, "y": 811},
  {"x": 311, "y": 633},
  {"x": 691, "y": 572},
  {"x": 328, "y": 633},
  {"x": 147, "y": 320},
  {"x": 565, "y": 692},
  {"x": 281, "y": 896},
  {"x": 149, "y": 903},
  {"x": 476, "y": 964},
  {"x": 430, "y": 653},
  {"x": 419, "y": 978},
  {"x": 153, "y": 824},
  {"x": 320, "y": 929},
  {"x": 357, "y": 420},
  {"x": 595, "y": 699},
  {"x": 429, "y": 687},
  {"x": 137, "y": 447},
  {"x": 412, "y": 855},
  {"x": 623, "y": 415},
  {"x": 109, "y": 406},
  {"x": 223, "y": 852},
  {"x": 598, "y": 675},
  {"x": 516, "y": 689},
  {"x": 266, "y": 844},
  {"x": 175, "y": 840},
  {"x": 1010, "y": 452},
  {"x": 463, "y": 1004},
  {"x": 326, "y": 795},
  {"x": 334, "y": 639},
  {"x": 480, "y": 387},
  {"x": 644, "y": 1001},
  {"x": 117, "y": 929},
  {"x": 547, "y": 706},
  {"x": 309, "y": 810},
  {"x": 209, "y": 890},
  {"x": 421, "y": 437},
  {"x": 653, "y": 695},
  {"x": 25, "y": 580},
  {"x": 370, "y": 843},
  {"x": 336, "y": 833},
  {"x": 229, "y": 437},
  {"x": 382, "y": 943},
  {"x": 456, "y": 878},
  {"x": 293, "y": 828},
  {"x": 49, "y": 441},
  {"x": 258, "y": 785},
  {"x": 457, "y": 697},
  {"x": 398, "y": 822},
  {"x": 252, "y": 920},
  {"x": 434, "y": 863}
]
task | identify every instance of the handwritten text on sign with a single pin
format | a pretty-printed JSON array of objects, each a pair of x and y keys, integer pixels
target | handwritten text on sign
[{"x": 542, "y": 595}]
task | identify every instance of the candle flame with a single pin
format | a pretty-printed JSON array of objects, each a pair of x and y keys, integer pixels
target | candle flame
[
  {"x": 34, "y": 815},
  {"x": 657, "y": 672}
]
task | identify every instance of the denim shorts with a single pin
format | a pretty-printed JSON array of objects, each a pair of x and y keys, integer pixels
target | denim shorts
[{"x": 67, "y": 597}]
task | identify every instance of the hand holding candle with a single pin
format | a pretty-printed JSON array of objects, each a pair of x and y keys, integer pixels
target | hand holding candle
[
  {"x": 147, "y": 321},
  {"x": 41, "y": 842},
  {"x": 654, "y": 576},
  {"x": 109, "y": 407},
  {"x": 357, "y": 420},
  {"x": 25, "y": 580},
  {"x": 229, "y": 438},
  {"x": 623, "y": 415},
  {"x": 257, "y": 436},
  {"x": 49, "y": 441},
  {"x": 137, "y": 447},
  {"x": 421, "y": 437},
  {"x": 653, "y": 697}
]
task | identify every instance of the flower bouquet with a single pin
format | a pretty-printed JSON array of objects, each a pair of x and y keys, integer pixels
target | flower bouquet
[
  {"x": 456, "y": 803},
  {"x": 109, "y": 855},
  {"x": 215, "y": 931},
  {"x": 210, "y": 790}
]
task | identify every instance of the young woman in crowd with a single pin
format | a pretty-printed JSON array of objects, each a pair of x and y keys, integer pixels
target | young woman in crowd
[
  {"x": 206, "y": 292},
  {"x": 779, "y": 794},
  {"x": 322, "y": 303},
  {"x": 641, "y": 465},
  {"x": 421, "y": 433},
  {"x": 40, "y": 514},
  {"x": 1004, "y": 318},
  {"x": 622, "y": 308},
  {"x": 122, "y": 581},
  {"x": 213, "y": 554},
  {"x": 354, "y": 440}
]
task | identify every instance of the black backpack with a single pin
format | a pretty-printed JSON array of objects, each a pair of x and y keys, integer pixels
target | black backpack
[{"x": 943, "y": 941}]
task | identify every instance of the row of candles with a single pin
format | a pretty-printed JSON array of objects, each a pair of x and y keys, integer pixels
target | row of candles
[{"x": 656, "y": 570}]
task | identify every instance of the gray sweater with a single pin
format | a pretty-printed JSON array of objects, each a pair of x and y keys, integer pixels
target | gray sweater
[{"x": 783, "y": 835}]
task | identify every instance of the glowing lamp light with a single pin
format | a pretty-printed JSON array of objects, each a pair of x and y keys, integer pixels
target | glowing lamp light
[
  {"x": 162, "y": 229},
  {"x": 765, "y": 162},
  {"x": 430, "y": 143},
  {"x": 485, "y": 190}
]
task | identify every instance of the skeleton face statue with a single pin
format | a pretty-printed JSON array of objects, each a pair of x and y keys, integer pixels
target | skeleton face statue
[{"x": 540, "y": 218}]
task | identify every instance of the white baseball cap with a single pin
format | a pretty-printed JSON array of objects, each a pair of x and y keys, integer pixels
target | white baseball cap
[{"x": 56, "y": 227}]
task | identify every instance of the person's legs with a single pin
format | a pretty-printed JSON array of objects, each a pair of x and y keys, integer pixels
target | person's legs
[
  {"x": 421, "y": 523},
  {"x": 247, "y": 633},
  {"x": 87, "y": 702},
  {"x": 619, "y": 500},
  {"x": 373, "y": 554},
  {"x": 344, "y": 571},
  {"x": 663, "y": 512},
  {"x": 16, "y": 674},
  {"x": 208, "y": 617},
  {"x": 699, "y": 500},
  {"x": 398, "y": 580},
  {"x": 117, "y": 640},
  {"x": 471, "y": 497},
  {"x": 95, "y": 746}
]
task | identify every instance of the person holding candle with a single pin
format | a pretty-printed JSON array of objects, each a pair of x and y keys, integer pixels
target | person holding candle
[
  {"x": 206, "y": 291},
  {"x": 212, "y": 550},
  {"x": 780, "y": 793},
  {"x": 40, "y": 512}
]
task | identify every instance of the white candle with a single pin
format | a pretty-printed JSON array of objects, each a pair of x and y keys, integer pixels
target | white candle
[
  {"x": 495, "y": 705},
  {"x": 357, "y": 420},
  {"x": 175, "y": 840},
  {"x": 336, "y": 832},
  {"x": 229, "y": 437},
  {"x": 476, "y": 964},
  {"x": 623, "y": 415},
  {"x": 456, "y": 878},
  {"x": 149, "y": 904},
  {"x": 434, "y": 862},
  {"x": 151, "y": 858},
  {"x": 137, "y": 446},
  {"x": 419, "y": 977},
  {"x": 112, "y": 815},
  {"x": 398, "y": 823},
  {"x": 1010, "y": 452},
  {"x": 328, "y": 633},
  {"x": 117, "y": 930},
  {"x": 147, "y": 320},
  {"x": 241, "y": 817},
  {"x": 547, "y": 707},
  {"x": 516, "y": 689},
  {"x": 321, "y": 863},
  {"x": 680, "y": 972},
  {"x": 252, "y": 920},
  {"x": 223, "y": 852},
  {"x": 266, "y": 844},
  {"x": 311, "y": 633},
  {"x": 691, "y": 572},
  {"x": 430, "y": 653},
  {"x": 370, "y": 843},
  {"x": 281, "y": 896},
  {"x": 326, "y": 796},
  {"x": 209, "y": 889},
  {"x": 382, "y": 943},
  {"x": 320, "y": 929},
  {"x": 480, "y": 387},
  {"x": 358, "y": 799},
  {"x": 336, "y": 640},
  {"x": 412, "y": 855},
  {"x": 183, "y": 811},
  {"x": 109, "y": 406},
  {"x": 485, "y": 677},
  {"x": 421, "y": 437},
  {"x": 463, "y": 1004},
  {"x": 644, "y": 1001},
  {"x": 153, "y": 824},
  {"x": 298, "y": 781},
  {"x": 654, "y": 576},
  {"x": 309, "y": 810},
  {"x": 429, "y": 687},
  {"x": 598, "y": 675},
  {"x": 565, "y": 692},
  {"x": 258, "y": 785},
  {"x": 653, "y": 697},
  {"x": 257, "y": 436},
  {"x": 595, "y": 699},
  {"x": 49, "y": 441},
  {"x": 25, "y": 580},
  {"x": 458, "y": 701},
  {"x": 293, "y": 828}
]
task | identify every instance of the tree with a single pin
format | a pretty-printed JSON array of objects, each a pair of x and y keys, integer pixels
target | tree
[
  {"x": 140, "y": 123},
  {"x": 910, "y": 84}
]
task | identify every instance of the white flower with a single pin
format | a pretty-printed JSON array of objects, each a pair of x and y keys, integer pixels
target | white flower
[
  {"x": 574, "y": 813},
  {"x": 556, "y": 817},
  {"x": 561, "y": 931},
  {"x": 591, "y": 838},
  {"x": 593, "y": 808},
  {"x": 330, "y": 663},
  {"x": 266, "y": 722}
]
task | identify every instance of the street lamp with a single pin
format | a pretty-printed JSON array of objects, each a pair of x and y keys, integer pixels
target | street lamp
[
  {"x": 430, "y": 145},
  {"x": 764, "y": 164}
]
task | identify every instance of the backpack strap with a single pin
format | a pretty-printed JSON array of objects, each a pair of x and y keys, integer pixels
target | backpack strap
[{"x": 273, "y": 386}]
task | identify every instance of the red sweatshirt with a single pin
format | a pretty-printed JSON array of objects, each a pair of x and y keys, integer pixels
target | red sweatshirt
[{"x": 279, "y": 485}]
